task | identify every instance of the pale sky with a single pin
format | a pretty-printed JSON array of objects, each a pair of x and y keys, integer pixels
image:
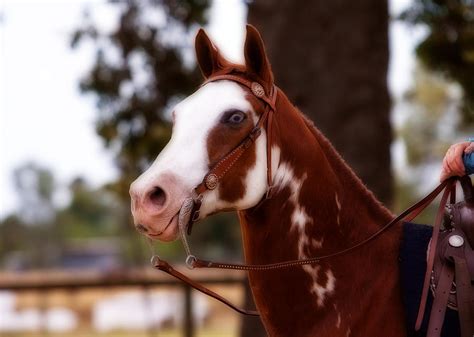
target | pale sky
[{"x": 43, "y": 116}]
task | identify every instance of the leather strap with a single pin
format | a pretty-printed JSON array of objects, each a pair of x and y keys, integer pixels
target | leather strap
[
  {"x": 266, "y": 97},
  {"x": 464, "y": 291},
  {"x": 167, "y": 268},
  {"x": 434, "y": 242},
  {"x": 219, "y": 170},
  {"x": 408, "y": 214},
  {"x": 440, "y": 301}
]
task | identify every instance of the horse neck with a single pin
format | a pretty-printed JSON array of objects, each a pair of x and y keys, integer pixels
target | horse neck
[
  {"x": 318, "y": 207},
  {"x": 317, "y": 198}
]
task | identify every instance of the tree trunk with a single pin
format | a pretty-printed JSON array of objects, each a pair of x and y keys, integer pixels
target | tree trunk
[{"x": 331, "y": 58}]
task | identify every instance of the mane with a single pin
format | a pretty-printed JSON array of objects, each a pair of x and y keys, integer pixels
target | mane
[{"x": 344, "y": 172}]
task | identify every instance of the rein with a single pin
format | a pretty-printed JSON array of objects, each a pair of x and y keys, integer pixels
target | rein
[
  {"x": 193, "y": 262},
  {"x": 190, "y": 210}
]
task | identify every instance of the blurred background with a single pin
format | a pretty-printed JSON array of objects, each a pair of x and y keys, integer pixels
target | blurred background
[{"x": 86, "y": 90}]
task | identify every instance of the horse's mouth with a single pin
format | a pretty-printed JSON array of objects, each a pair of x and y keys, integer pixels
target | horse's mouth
[{"x": 169, "y": 233}]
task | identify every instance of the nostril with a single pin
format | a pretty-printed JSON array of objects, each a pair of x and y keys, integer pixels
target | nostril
[{"x": 157, "y": 196}]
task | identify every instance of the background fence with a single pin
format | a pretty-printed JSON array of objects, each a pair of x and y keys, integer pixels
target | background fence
[{"x": 147, "y": 281}]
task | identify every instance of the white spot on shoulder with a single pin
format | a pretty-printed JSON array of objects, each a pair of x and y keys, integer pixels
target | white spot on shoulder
[
  {"x": 338, "y": 204},
  {"x": 323, "y": 290},
  {"x": 285, "y": 177},
  {"x": 317, "y": 243},
  {"x": 299, "y": 218}
]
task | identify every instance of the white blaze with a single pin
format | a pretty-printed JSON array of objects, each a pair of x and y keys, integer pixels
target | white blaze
[{"x": 186, "y": 155}]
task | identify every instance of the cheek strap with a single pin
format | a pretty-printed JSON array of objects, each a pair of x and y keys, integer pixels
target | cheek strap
[{"x": 218, "y": 171}]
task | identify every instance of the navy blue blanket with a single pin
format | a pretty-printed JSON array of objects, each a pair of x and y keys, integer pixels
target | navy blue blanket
[{"x": 412, "y": 269}]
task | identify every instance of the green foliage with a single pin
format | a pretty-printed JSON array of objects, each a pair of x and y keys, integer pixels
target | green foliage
[
  {"x": 136, "y": 88},
  {"x": 35, "y": 186},
  {"x": 143, "y": 78},
  {"x": 41, "y": 231},
  {"x": 429, "y": 104},
  {"x": 449, "y": 46},
  {"x": 91, "y": 212}
]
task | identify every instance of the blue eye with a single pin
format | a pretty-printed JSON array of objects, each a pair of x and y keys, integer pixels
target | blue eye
[{"x": 233, "y": 117}]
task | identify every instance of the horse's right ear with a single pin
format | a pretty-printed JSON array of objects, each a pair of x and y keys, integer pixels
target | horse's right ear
[{"x": 208, "y": 57}]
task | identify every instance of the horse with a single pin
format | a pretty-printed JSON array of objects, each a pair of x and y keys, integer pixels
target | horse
[{"x": 295, "y": 197}]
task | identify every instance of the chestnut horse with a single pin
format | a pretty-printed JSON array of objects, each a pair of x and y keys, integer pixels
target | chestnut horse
[{"x": 317, "y": 205}]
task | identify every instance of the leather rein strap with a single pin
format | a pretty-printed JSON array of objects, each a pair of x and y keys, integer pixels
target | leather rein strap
[{"x": 194, "y": 262}]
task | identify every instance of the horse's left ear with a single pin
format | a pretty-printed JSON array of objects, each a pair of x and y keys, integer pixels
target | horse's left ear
[
  {"x": 256, "y": 57},
  {"x": 208, "y": 56}
]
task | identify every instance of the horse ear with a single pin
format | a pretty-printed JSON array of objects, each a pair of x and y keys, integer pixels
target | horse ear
[
  {"x": 255, "y": 55},
  {"x": 208, "y": 56}
]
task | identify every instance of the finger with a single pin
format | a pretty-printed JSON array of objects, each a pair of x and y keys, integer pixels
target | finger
[
  {"x": 443, "y": 176},
  {"x": 445, "y": 166},
  {"x": 452, "y": 171},
  {"x": 469, "y": 148},
  {"x": 457, "y": 163}
]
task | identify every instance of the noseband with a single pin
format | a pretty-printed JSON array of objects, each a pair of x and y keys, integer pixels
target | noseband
[{"x": 190, "y": 210}]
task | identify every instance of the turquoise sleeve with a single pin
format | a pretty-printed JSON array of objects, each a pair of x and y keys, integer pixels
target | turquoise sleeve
[{"x": 468, "y": 159}]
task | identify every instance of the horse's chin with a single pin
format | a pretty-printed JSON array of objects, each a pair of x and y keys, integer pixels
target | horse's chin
[{"x": 169, "y": 233}]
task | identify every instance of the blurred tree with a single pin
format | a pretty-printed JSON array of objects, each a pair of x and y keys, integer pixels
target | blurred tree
[
  {"x": 12, "y": 236},
  {"x": 140, "y": 72},
  {"x": 449, "y": 45},
  {"x": 331, "y": 58},
  {"x": 428, "y": 122},
  {"x": 91, "y": 212},
  {"x": 431, "y": 125},
  {"x": 37, "y": 233},
  {"x": 35, "y": 186}
]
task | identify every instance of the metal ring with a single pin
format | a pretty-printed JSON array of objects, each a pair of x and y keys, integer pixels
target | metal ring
[
  {"x": 190, "y": 260},
  {"x": 155, "y": 260}
]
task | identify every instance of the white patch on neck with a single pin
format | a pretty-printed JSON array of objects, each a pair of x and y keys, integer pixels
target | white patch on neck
[
  {"x": 327, "y": 289},
  {"x": 338, "y": 205},
  {"x": 338, "y": 322},
  {"x": 339, "y": 318},
  {"x": 285, "y": 177}
]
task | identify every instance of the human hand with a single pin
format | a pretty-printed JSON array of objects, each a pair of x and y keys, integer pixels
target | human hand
[{"x": 453, "y": 163}]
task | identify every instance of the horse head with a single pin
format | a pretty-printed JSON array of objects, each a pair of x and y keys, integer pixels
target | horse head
[{"x": 207, "y": 126}]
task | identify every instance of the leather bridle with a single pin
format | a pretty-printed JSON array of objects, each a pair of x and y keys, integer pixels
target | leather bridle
[
  {"x": 190, "y": 209},
  {"x": 218, "y": 171}
]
